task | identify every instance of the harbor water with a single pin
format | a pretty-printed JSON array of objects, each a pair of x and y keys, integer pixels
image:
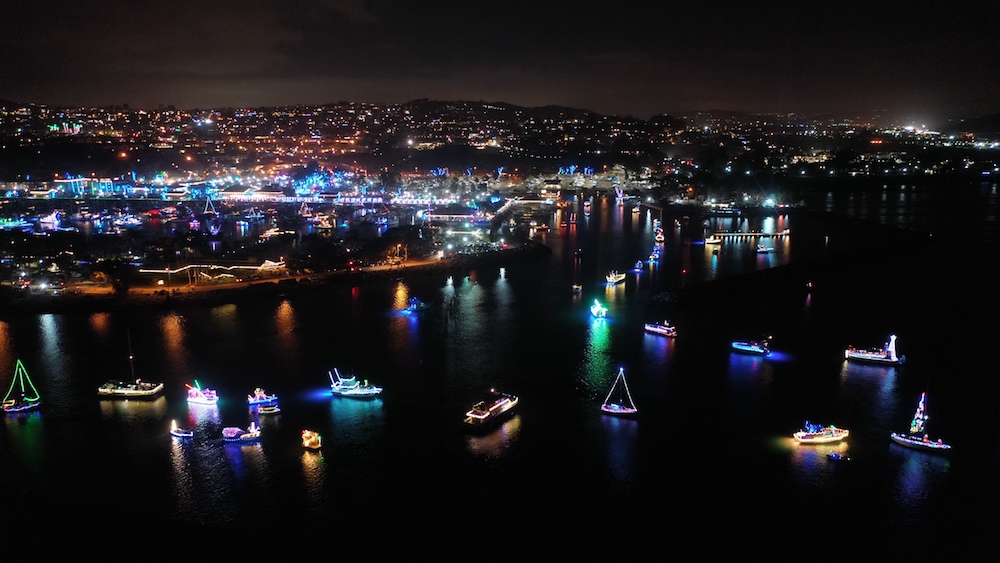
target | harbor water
[{"x": 708, "y": 458}]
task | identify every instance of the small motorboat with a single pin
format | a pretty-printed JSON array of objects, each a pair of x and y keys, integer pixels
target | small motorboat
[
  {"x": 311, "y": 440},
  {"x": 178, "y": 432}
]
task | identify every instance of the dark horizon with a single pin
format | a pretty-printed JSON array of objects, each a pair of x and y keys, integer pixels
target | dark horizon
[{"x": 904, "y": 60}]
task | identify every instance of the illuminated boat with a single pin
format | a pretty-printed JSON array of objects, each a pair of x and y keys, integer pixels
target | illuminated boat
[
  {"x": 761, "y": 249},
  {"x": 757, "y": 347},
  {"x": 351, "y": 387},
  {"x": 638, "y": 266},
  {"x": 664, "y": 328},
  {"x": 237, "y": 434},
  {"x": 917, "y": 438},
  {"x": 614, "y": 276},
  {"x": 178, "y": 432},
  {"x": 268, "y": 409},
  {"x": 659, "y": 236},
  {"x": 136, "y": 389},
  {"x": 22, "y": 395},
  {"x": 577, "y": 288},
  {"x": 491, "y": 409},
  {"x": 597, "y": 310},
  {"x": 260, "y": 397},
  {"x": 713, "y": 239},
  {"x": 199, "y": 396},
  {"x": 817, "y": 434},
  {"x": 619, "y": 400},
  {"x": 416, "y": 305},
  {"x": 311, "y": 440},
  {"x": 885, "y": 355}
]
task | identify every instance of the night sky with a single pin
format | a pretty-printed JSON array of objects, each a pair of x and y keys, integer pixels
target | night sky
[{"x": 925, "y": 61}]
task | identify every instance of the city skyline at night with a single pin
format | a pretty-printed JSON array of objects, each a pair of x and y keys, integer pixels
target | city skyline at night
[{"x": 912, "y": 62}]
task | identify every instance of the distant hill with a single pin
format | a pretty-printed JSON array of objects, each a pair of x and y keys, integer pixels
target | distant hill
[{"x": 986, "y": 127}]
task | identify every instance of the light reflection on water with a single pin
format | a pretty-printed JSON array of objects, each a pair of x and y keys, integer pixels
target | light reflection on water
[
  {"x": 621, "y": 442},
  {"x": 504, "y": 326},
  {"x": 496, "y": 442}
]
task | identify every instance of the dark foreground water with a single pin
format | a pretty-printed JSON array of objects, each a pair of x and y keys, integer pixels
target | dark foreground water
[{"x": 709, "y": 463}]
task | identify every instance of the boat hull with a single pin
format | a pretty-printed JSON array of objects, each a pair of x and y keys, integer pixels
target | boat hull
[
  {"x": 122, "y": 390},
  {"x": 661, "y": 330},
  {"x": 619, "y": 410},
  {"x": 824, "y": 436},
  {"x": 864, "y": 358},
  {"x": 749, "y": 348},
  {"x": 920, "y": 443},
  {"x": 490, "y": 412}
]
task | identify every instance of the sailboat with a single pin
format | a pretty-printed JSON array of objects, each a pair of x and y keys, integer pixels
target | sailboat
[
  {"x": 22, "y": 395},
  {"x": 619, "y": 400},
  {"x": 917, "y": 437},
  {"x": 134, "y": 389}
]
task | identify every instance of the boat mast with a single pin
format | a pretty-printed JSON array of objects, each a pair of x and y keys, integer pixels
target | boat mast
[
  {"x": 131, "y": 366},
  {"x": 624, "y": 383}
]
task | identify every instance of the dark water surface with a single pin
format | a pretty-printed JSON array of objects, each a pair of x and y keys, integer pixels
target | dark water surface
[{"x": 709, "y": 463}]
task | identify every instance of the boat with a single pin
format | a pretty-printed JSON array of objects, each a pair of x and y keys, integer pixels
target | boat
[
  {"x": 837, "y": 456},
  {"x": 619, "y": 400},
  {"x": 415, "y": 305},
  {"x": 311, "y": 440},
  {"x": 818, "y": 434},
  {"x": 664, "y": 328},
  {"x": 658, "y": 237},
  {"x": 268, "y": 409},
  {"x": 138, "y": 389},
  {"x": 237, "y": 434},
  {"x": 260, "y": 397},
  {"x": 577, "y": 288},
  {"x": 917, "y": 437},
  {"x": 135, "y": 389},
  {"x": 761, "y": 249},
  {"x": 597, "y": 310},
  {"x": 178, "y": 432},
  {"x": 758, "y": 347},
  {"x": 886, "y": 355},
  {"x": 491, "y": 409},
  {"x": 199, "y": 396},
  {"x": 614, "y": 276},
  {"x": 22, "y": 395},
  {"x": 638, "y": 266},
  {"x": 351, "y": 387},
  {"x": 713, "y": 239}
]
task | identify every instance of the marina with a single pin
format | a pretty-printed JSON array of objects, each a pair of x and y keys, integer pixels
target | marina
[{"x": 410, "y": 443}]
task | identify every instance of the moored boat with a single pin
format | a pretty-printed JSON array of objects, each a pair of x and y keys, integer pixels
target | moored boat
[
  {"x": 818, "y": 434},
  {"x": 664, "y": 328},
  {"x": 492, "y": 409},
  {"x": 917, "y": 437},
  {"x": 886, "y": 355}
]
